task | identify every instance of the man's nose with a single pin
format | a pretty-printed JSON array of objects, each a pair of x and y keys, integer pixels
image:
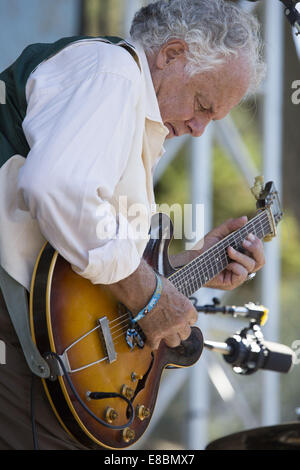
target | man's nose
[{"x": 198, "y": 124}]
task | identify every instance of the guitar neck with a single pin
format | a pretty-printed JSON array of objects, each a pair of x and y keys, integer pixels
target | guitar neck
[{"x": 205, "y": 267}]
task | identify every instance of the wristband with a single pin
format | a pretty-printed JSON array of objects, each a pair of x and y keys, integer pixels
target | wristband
[{"x": 153, "y": 301}]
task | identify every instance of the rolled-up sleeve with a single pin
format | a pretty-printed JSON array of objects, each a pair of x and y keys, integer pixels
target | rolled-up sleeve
[{"x": 80, "y": 127}]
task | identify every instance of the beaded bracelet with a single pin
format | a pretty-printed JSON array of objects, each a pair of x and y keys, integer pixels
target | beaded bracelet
[{"x": 153, "y": 301}]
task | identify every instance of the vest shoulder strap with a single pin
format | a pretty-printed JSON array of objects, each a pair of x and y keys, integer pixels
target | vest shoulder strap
[{"x": 14, "y": 78}]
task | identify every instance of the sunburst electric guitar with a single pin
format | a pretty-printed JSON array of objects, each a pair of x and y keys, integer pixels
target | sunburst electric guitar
[{"x": 103, "y": 388}]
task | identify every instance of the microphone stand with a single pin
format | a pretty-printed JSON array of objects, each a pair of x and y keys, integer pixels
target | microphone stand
[
  {"x": 256, "y": 312},
  {"x": 247, "y": 351}
]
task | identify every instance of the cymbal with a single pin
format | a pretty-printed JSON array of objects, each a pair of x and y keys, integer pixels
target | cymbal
[{"x": 282, "y": 437}]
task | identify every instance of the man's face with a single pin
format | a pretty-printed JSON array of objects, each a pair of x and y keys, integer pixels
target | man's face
[{"x": 188, "y": 104}]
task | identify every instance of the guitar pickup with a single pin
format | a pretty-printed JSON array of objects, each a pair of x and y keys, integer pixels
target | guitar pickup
[{"x": 107, "y": 339}]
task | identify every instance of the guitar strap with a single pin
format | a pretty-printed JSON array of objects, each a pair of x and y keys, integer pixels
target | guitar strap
[{"x": 15, "y": 296}]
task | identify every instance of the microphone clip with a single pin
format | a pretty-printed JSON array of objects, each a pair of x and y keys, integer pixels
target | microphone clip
[
  {"x": 248, "y": 352},
  {"x": 251, "y": 311}
]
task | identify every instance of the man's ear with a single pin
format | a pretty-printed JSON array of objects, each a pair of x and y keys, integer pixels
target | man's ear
[{"x": 170, "y": 52}]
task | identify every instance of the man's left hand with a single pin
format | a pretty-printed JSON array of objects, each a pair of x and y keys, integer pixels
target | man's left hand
[{"x": 251, "y": 261}]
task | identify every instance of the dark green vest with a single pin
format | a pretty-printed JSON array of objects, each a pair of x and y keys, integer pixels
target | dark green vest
[{"x": 12, "y": 113}]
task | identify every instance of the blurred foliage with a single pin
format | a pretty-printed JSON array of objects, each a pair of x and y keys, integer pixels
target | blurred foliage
[{"x": 104, "y": 17}]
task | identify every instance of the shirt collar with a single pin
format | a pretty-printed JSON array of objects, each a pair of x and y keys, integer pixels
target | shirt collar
[{"x": 152, "y": 108}]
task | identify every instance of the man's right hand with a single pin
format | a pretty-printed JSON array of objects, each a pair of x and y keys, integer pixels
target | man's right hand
[
  {"x": 172, "y": 317},
  {"x": 170, "y": 320}
]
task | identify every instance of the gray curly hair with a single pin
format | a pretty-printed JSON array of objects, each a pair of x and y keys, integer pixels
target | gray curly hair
[{"x": 214, "y": 30}]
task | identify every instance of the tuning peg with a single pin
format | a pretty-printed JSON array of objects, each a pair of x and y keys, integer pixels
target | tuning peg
[{"x": 258, "y": 186}]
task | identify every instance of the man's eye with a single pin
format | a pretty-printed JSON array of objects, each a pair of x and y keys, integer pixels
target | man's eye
[{"x": 202, "y": 108}]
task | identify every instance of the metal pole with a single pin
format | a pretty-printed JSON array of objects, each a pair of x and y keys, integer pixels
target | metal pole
[
  {"x": 198, "y": 386},
  {"x": 130, "y": 8},
  {"x": 272, "y": 171},
  {"x": 232, "y": 142}
]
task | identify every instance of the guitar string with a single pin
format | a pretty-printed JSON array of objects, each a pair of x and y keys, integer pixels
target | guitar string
[
  {"x": 120, "y": 323},
  {"x": 207, "y": 256},
  {"x": 198, "y": 271},
  {"x": 204, "y": 259},
  {"x": 203, "y": 273},
  {"x": 236, "y": 237},
  {"x": 185, "y": 272},
  {"x": 121, "y": 329},
  {"x": 223, "y": 257},
  {"x": 220, "y": 255},
  {"x": 112, "y": 321},
  {"x": 199, "y": 278}
]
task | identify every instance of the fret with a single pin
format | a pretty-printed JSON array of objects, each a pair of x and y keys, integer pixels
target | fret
[{"x": 205, "y": 267}]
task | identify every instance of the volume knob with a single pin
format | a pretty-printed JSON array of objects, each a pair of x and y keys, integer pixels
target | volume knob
[
  {"x": 143, "y": 412},
  {"x": 128, "y": 434},
  {"x": 110, "y": 415},
  {"x": 127, "y": 392}
]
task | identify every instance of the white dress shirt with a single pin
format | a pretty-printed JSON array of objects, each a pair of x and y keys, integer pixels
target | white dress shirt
[{"x": 95, "y": 133}]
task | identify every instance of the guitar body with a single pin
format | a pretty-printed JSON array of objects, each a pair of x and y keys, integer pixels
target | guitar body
[{"x": 84, "y": 324}]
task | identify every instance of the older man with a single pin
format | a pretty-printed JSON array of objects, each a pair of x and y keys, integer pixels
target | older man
[{"x": 83, "y": 127}]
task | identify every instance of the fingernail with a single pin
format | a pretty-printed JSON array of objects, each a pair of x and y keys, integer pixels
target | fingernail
[
  {"x": 251, "y": 237},
  {"x": 246, "y": 244}
]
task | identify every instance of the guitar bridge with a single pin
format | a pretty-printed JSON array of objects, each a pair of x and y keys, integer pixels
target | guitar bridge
[{"x": 107, "y": 340}]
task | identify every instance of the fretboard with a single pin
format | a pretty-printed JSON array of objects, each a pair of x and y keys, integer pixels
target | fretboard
[{"x": 205, "y": 267}]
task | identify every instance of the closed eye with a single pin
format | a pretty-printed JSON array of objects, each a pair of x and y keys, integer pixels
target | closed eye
[{"x": 202, "y": 108}]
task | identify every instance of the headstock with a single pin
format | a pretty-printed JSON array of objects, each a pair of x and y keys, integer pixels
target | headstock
[{"x": 268, "y": 199}]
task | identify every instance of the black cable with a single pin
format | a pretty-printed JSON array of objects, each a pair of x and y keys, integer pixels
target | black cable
[
  {"x": 32, "y": 411},
  {"x": 97, "y": 396}
]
